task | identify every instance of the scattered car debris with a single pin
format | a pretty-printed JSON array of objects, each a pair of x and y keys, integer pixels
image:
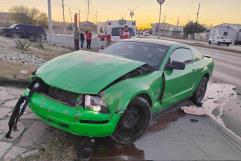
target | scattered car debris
[
  {"x": 194, "y": 110},
  {"x": 24, "y": 72}
]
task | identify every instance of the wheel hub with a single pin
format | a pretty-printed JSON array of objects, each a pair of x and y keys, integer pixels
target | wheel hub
[{"x": 131, "y": 118}]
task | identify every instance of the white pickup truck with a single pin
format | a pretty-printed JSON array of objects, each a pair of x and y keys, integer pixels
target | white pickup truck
[{"x": 219, "y": 40}]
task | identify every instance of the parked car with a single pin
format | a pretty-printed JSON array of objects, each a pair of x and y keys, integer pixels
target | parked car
[
  {"x": 115, "y": 92},
  {"x": 31, "y": 32}
]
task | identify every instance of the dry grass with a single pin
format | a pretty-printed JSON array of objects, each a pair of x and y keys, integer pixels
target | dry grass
[{"x": 59, "y": 148}]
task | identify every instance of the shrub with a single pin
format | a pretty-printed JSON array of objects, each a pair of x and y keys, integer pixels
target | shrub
[{"x": 22, "y": 44}]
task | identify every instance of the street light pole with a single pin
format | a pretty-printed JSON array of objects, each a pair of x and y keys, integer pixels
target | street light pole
[
  {"x": 159, "y": 23},
  {"x": 50, "y": 22}
]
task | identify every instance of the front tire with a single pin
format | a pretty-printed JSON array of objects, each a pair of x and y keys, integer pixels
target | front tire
[
  {"x": 133, "y": 122},
  {"x": 200, "y": 91}
]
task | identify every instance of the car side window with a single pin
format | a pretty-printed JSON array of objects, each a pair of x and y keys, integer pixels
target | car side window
[
  {"x": 182, "y": 55},
  {"x": 20, "y": 28}
]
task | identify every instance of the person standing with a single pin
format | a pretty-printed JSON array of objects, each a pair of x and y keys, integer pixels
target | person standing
[
  {"x": 88, "y": 36},
  {"x": 76, "y": 38},
  {"x": 125, "y": 34},
  {"x": 82, "y": 39}
]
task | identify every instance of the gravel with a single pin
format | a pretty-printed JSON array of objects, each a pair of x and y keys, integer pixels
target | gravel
[{"x": 20, "y": 56}]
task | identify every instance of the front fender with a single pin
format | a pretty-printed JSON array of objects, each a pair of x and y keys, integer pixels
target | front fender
[{"x": 119, "y": 95}]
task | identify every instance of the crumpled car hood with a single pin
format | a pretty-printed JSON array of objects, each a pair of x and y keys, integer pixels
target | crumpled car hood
[{"x": 85, "y": 72}]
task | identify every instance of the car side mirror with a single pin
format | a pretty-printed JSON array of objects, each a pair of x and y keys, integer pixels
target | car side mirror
[{"x": 175, "y": 65}]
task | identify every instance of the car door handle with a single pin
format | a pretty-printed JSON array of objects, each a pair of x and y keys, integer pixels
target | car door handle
[{"x": 194, "y": 70}]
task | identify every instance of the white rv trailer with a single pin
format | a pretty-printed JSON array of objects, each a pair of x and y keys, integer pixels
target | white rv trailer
[{"x": 114, "y": 28}]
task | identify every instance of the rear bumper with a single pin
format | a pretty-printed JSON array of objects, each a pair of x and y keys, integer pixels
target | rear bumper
[{"x": 74, "y": 120}]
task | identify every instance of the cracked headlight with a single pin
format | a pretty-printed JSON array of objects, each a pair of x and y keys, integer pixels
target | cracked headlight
[{"x": 95, "y": 103}]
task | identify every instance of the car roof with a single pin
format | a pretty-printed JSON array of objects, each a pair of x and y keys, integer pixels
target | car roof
[{"x": 155, "y": 41}]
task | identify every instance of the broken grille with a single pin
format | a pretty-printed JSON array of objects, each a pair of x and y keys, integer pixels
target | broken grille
[{"x": 65, "y": 97}]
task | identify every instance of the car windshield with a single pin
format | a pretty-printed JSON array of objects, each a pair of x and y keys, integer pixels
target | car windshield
[
  {"x": 12, "y": 26},
  {"x": 151, "y": 54},
  {"x": 117, "y": 30}
]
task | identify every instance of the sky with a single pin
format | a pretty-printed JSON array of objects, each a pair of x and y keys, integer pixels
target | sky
[{"x": 212, "y": 12}]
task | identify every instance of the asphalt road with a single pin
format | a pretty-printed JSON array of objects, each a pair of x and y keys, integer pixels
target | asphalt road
[{"x": 227, "y": 67}]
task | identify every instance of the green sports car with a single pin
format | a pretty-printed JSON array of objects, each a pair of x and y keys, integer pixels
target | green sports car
[{"x": 115, "y": 92}]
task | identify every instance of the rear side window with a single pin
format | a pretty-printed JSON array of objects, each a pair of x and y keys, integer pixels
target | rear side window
[
  {"x": 196, "y": 54},
  {"x": 182, "y": 55}
]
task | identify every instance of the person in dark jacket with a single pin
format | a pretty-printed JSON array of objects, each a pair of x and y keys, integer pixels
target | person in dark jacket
[{"x": 82, "y": 39}]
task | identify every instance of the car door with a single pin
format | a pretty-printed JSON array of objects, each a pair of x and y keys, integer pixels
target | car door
[
  {"x": 21, "y": 31},
  {"x": 179, "y": 83}
]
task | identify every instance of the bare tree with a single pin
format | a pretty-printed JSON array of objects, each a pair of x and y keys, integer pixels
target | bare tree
[{"x": 28, "y": 15}]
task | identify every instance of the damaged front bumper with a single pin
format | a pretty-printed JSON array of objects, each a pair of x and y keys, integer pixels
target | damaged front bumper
[{"x": 75, "y": 120}]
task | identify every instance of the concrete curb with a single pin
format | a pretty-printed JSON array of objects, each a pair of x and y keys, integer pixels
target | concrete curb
[
  {"x": 230, "y": 137},
  {"x": 14, "y": 83},
  {"x": 213, "y": 47}
]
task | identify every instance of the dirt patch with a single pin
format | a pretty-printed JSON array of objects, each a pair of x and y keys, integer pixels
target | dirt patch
[
  {"x": 12, "y": 71},
  {"x": 18, "y": 65}
]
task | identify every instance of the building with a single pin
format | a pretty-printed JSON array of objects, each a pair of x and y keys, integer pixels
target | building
[
  {"x": 86, "y": 25},
  {"x": 167, "y": 30},
  {"x": 229, "y": 31}
]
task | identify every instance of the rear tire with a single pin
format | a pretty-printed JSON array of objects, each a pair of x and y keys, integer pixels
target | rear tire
[
  {"x": 38, "y": 38},
  {"x": 200, "y": 91},
  {"x": 133, "y": 122}
]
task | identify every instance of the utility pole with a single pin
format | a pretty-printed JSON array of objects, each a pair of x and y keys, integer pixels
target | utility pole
[
  {"x": 96, "y": 16},
  {"x": 63, "y": 14},
  {"x": 177, "y": 25},
  {"x": 50, "y": 26},
  {"x": 159, "y": 24},
  {"x": 71, "y": 18},
  {"x": 79, "y": 17},
  {"x": 96, "y": 19},
  {"x": 88, "y": 10},
  {"x": 197, "y": 20},
  {"x": 164, "y": 25}
]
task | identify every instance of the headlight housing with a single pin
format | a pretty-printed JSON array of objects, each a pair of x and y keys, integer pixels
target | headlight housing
[{"x": 95, "y": 103}]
